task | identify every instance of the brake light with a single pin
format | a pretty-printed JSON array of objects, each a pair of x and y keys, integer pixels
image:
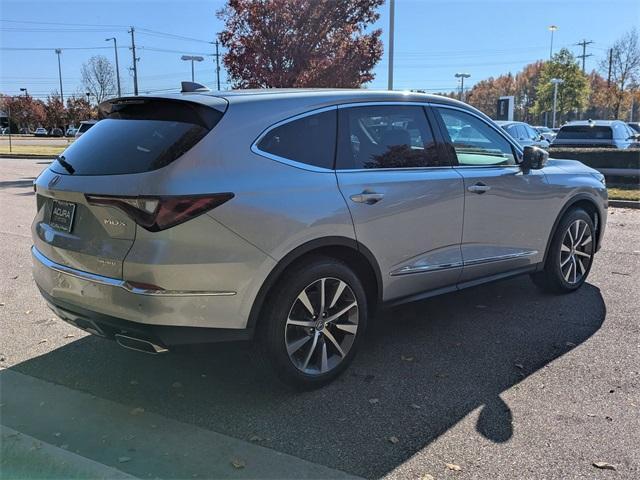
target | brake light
[{"x": 159, "y": 213}]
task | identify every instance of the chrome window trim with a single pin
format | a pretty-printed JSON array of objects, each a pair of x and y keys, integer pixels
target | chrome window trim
[
  {"x": 288, "y": 161},
  {"x": 117, "y": 283},
  {"x": 499, "y": 130}
]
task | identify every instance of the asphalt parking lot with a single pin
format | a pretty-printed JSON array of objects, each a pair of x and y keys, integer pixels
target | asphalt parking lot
[{"x": 501, "y": 381}]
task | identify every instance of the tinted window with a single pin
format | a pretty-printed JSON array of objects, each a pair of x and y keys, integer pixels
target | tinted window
[
  {"x": 391, "y": 136},
  {"x": 309, "y": 140},
  {"x": 137, "y": 137},
  {"x": 475, "y": 142},
  {"x": 531, "y": 133},
  {"x": 582, "y": 132}
]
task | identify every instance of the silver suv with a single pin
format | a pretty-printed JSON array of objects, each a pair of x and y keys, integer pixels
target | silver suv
[{"x": 290, "y": 216}]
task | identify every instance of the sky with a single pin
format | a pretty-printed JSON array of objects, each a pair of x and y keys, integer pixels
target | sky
[{"x": 434, "y": 39}]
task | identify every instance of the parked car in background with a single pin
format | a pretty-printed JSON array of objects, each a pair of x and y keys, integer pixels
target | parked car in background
[
  {"x": 84, "y": 126},
  {"x": 71, "y": 132},
  {"x": 524, "y": 134},
  {"x": 26, "y": 131},
  {"x": 289, "y": 216},
  {"x": 635, "y": 126},
  {"x": 595, "y": 134},
  {"x": 41, "y": 132},
  {"x": 546, "y": 132},
  {"x": 56, "y": 132}
]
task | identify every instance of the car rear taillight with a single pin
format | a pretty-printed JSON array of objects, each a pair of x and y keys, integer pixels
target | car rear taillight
[{"x": 159, "y": 213}]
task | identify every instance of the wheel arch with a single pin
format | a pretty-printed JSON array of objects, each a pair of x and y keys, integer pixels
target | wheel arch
[
  {"x": 348, "y": 250},
  {"x": 588, "y": 204}
]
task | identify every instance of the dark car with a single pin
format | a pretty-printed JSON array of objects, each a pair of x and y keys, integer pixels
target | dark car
[
  {"x": 524, "y": 134},
  {"x": 595, "y": 134},
  {"x": 634, "y": 126},
  {"x": 56, "y": 132}
]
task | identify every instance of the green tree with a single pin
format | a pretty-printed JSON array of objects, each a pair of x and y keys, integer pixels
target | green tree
[{"x": 573, "y": 93}]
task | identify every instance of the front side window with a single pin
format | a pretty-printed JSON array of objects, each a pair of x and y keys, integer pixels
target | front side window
[
  {"x": 309, "y": 140},
  {"x": 474, "y": 141},
  {"x": 386, "y": 136}
]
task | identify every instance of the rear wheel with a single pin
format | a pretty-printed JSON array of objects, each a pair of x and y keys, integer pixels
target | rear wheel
[
  {"x": 570, "y": 254},
  {"x": 315, "y": 321}
]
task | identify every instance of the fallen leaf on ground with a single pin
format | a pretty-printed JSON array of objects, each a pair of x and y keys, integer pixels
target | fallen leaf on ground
[
  {"x": 408, "y": 358},
  {"x": 426, "y": 476},
  {"x": 176, "y": 385},
  {"x": 453, "y": 466},
  {"x": 14, "y": 277},
  {"x": 237, "y": 463},
  {"x": 137, "y": 411},
  {"x": 571, "y": 344},
  {"x": 604, "y": 466},
  {"x": 255, "y": 438},
  {"x": 124, "y": 459},
  {"x": 1, "y": 304},
  {"x": 69, "y": 335},
  {"x": 413, "y": 405},
  {"x": 520, "y": 366},
  {"x": 57, "y": 434},
  {"x": 27, "y": 312},
  {"x": 394, "y": 440},
  {"x": 44, "y": 340},
  {"x": 373, "y": 400}
]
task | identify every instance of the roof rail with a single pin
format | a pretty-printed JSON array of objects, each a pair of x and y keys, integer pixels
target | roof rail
[{"x": 193, "y": 87}]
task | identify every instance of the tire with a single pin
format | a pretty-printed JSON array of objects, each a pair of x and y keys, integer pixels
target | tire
[
  {"x": 306, "y": 349},
  {"x": 570, "y": 254}
]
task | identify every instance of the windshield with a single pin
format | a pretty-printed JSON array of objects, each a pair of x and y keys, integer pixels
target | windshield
[{"x": 582, "y": 132}]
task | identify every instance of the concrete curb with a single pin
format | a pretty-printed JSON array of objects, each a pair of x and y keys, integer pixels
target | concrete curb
[
  {"x": 624, "y": 203},
  {"x": 26, "y": 155},
  {"x": 46, "y": 460}
]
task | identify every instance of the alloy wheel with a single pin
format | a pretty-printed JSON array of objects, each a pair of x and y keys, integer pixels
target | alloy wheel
[
  {"x": 576, "y": 251},
  {"x": 321, "y": 326}
]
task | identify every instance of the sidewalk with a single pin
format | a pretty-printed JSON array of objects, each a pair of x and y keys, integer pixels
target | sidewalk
[{"x": 90, "y": 432}]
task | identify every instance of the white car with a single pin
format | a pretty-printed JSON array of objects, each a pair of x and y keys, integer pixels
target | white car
[{"x": 41, "y": 132}]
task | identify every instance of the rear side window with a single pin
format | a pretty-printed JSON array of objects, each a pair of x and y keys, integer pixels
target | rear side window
[
  {"x": 584, "y": 132},
  {"x": 386, "y": 136},
  {"x": 138, "y": 136},
  {"x": 310, "y": 139}
]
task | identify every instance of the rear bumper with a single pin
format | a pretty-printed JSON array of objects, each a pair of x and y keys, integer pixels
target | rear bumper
[
  {"x": 164, "y": 336},
  {"x": 112, "y": 301}
]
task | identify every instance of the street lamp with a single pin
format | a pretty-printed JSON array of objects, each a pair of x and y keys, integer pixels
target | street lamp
[
  {"x": 552, "y": 28},
  {"x": 26, "y": 93},
  {"x": 58, "y": 52},
  {"x": 192, "y": 59},
  {"x": 392, "y": 8},
  {"x": 115, "y": 49},
  {"x": 88, "y": 94},
  {"x": 556, "y": 82},
  {"x": 462, "y": 76}
]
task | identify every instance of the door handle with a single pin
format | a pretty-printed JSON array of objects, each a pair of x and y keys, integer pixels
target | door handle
[
  {"x": 479, "y": 188},
  {"x": 367, "y": 197}
]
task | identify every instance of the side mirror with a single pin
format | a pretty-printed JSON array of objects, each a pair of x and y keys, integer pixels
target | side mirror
[{"x": 533, "y": 158}]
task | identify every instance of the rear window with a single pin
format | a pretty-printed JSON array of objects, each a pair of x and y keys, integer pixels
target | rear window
[
  {"x": 138, "y": 136},
  {"x": 85, "y": 126},
  {"x": 585, "y": 132}
]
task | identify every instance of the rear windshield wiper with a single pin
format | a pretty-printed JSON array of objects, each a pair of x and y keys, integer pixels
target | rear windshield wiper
[{"x": 67, "y": 166}]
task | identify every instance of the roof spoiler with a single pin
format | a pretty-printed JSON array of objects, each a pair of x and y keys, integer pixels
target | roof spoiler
[{"x": 193, "y": 87}]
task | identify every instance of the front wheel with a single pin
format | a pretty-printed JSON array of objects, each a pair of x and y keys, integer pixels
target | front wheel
[
  {"x": 570, "y": 254},
  {"x": 316, "y": 318}
]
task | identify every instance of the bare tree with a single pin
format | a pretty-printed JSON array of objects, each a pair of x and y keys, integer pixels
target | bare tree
[
  {"x": 98, "y": 78},
  {"x": 622, "y": 66}
]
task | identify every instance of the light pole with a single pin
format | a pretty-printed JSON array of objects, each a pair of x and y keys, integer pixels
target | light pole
[
  {"x": 462, "y": 76},
  {"x": 552, "y": 28},
  {"x": 192, "y": 59},
  {"x": 115, "y": 49},
  {"x": 392, "y": 8},
  {"x": 58, "y": 52},
  {"x": 556, "y": 82}
]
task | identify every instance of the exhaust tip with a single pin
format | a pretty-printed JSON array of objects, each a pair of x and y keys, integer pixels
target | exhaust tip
[{"x": 138, "y": 344}]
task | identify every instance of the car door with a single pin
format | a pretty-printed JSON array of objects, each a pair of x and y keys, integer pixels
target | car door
[
  {"x": 405, "y": 198},
  {"x": 508, "y": 213}
]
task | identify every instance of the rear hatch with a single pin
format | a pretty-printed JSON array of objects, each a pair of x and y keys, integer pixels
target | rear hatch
[
  {"x": 74, "y": 225},
  {"x": 584, "y": 136}
]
